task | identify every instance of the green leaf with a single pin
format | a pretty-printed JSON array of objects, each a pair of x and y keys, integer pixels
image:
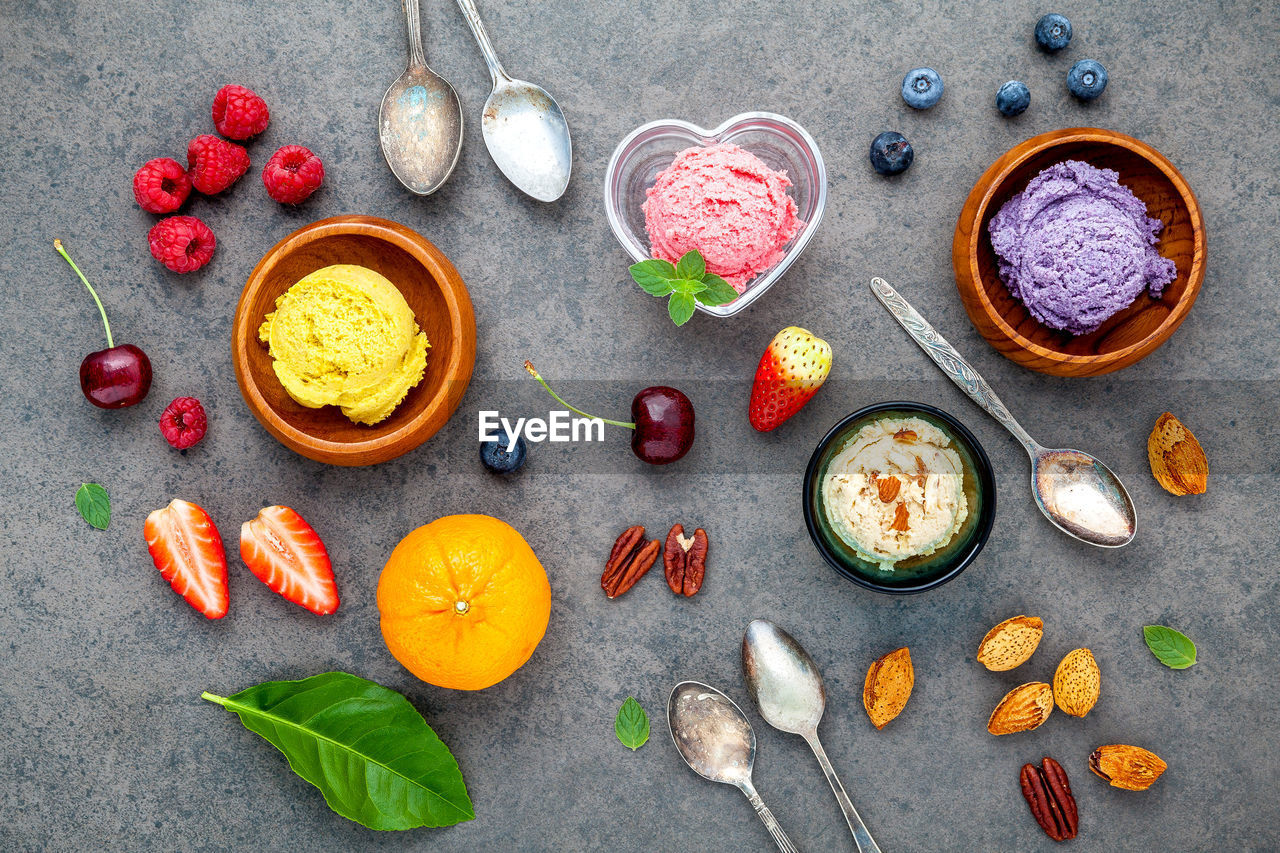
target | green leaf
[
  {"x": 1173, "y": 648},
  {"x": 653, "y": 274},
  {"x": 680, "y": 307},
  {"x": 94, "y": 505},
  {"x": 374, "y": 758},
  {"x": 718, "y": 292},
  {"x": 691, "y": 265},
  {"x": 632, "y": 724},
  {"x": 688, "y": 285}
]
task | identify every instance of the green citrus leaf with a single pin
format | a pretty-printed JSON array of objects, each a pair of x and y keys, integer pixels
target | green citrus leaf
[
  {"x": 691, "y": 265},
  {"x": 680, "y": 307},
  {"x": 632, "y": 724},
  {"x": 654, "y": 276},
  {"x": 718, "y": 292},
  {"x": 368, "y": 750},
  {"x": 1173, "y": 648},
  {"x": 94, "y": 505}
]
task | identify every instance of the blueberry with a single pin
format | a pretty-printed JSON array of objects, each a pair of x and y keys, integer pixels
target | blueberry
[
  {"x": 497, "y": 459},
  {"x": 1053, "y": 32},
  {"x": 1086, "y": 79},
  {"x": 1013, "y": 98},
  {"x": 891, "y": 153},
  {"x": 921, "y": 88}
]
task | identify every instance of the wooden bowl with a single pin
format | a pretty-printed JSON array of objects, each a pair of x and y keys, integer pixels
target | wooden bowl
[
  {"x": 1133, "y": 333},
  {"x": 440, "y": 303}
]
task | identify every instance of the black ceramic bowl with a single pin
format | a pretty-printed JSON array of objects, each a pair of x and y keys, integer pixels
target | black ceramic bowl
[{"x": 917, "y": 573}]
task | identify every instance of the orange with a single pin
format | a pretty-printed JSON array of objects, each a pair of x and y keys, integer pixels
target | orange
[{"x": 464, "y": 601}]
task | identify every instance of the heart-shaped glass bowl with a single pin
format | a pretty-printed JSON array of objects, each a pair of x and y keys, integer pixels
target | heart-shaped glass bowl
[{"x": 778, "y": 141}]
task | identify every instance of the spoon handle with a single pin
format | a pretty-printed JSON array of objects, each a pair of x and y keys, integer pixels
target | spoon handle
[
  {"x": 954, "y": 365},
  {"x": 861, "y": 835},
  {"x": 417, "y": 59},
  {"x": 770, "y": 822},
  {"x": 472, "y": 14}
]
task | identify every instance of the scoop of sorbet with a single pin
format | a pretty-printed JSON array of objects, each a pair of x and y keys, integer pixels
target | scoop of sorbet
[
  {"x": 1076, "y": 247},
  {"x": 726, "y": 203}
]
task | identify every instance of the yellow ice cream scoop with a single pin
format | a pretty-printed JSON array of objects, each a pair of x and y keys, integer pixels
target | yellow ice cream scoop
[{"x": 344, "y": 336}]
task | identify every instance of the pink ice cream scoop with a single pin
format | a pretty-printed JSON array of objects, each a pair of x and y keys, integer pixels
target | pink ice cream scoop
[{"x": 726, "y": 203}]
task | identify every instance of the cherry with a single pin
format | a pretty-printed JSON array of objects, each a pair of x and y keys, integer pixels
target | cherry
[
  {"x": 663, "y": 421},
  {"x": 117, "y": 376}
]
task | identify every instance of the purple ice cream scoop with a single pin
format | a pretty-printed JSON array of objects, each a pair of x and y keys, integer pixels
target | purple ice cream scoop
[{"x": 1075, "y": 247}]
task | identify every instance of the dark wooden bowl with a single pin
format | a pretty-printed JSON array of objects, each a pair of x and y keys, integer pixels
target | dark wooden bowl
[
  {"x": 1133, "y": 333},
  {"x": 440, "y": 303}
]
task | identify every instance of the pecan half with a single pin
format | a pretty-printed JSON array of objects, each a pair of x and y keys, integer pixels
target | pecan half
[
  {"x": 1048, "y": 793},
  {"x": 888, "y": 488},
  {"x": 635, "y": 565},
  {"x": 684, "y": 560},
  {"x": 900, "y": 517}
]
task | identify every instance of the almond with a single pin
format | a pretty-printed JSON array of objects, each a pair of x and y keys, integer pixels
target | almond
[
  {"x": 900, "y": 518},
  {"x": 1177, "y": 459},
  {"x": 906, "y": 436},
  {"x": 888, "y": 488},
  {"x": 1010, "y": 643},
  {"x": 1022, "y": 709},
  {"x": 1130, "y": 767},
  {"x": 1077, "y": 682},
  {"x": 888, "y": 687}
]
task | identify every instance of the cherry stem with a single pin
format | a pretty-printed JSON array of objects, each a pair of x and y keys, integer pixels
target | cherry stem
[
  {"x": 57, "y": 244},
  {"x": 528, "y": 365}
]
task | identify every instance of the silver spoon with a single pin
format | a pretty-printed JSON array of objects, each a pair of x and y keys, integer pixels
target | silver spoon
[
  {"x": 1080, "y": 495},
  {"x": 788, "y": 690},
  {"x": 420, "y": 120},
  {"x": 714, "y": 738},
  {"x": 524, "y": 128}
]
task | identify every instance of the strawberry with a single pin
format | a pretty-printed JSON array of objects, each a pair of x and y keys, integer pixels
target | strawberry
[
  {"x": 286, "y": 554},
  {"x": 792, "y": 369},
  {"x": 188, "y": 552}
]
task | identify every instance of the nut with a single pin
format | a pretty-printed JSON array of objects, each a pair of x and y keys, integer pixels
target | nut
[
  {"x": 888, "y": 488},
  {"x": 1177, "y": 459},
  {"x": 1076, "y": 683},
  {"x": 1049, "y": 795},
  {"x": 1129, "y": 767},
  {"x": 1010, "y": 643},
  {"x": 1022, "y": 709},
  {"x": 684, "y": 560},
  {"x": 906, "y": 436},
  {"x": 900, "y": 518},
  {"x": 888, "y": 686},
  {"x": 628, "y": 562}
]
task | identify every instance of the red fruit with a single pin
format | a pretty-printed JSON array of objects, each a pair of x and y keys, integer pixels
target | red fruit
[
  {"x": 287, "y": 555},
  {"x": 161, "y": 185},
  {"x": 183, "y": 423},
  {"x": 181, "y": 243},
  {"x": 292, "y": 174},
  {"x": 188, "y": 552},
  {"x": 215, "y": 164},
  {"x": 792, "y": 369},
  {"x": 239, "y": 113}
]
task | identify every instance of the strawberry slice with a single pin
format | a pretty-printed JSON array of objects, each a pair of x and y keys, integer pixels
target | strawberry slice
[
  {"x": 287, "y": 555},
  {"x": 792, "y": 369},
  {"x": 188, "y": 551}
]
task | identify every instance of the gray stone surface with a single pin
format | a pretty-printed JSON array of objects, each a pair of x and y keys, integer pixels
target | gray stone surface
[{"x": 107, "y": 743}]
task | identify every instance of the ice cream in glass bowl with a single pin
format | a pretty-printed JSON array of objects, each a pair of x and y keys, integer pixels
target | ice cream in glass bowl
[{"x": 748, "y": 195}]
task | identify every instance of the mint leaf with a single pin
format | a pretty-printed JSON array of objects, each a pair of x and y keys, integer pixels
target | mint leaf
[
  {"x": 688, "y": 285},
  {"x": 691, "y": 265},
  {"x": 652, "y": 272},
  {"x": 1173, "y": 648},
  {"x": 632, "y": 724},
  {"x": 718, "y": 292},
  {"x": 94, "y": 505},
  {"x": 657, "y": 286},
  {"x": 681, "y": 307}
]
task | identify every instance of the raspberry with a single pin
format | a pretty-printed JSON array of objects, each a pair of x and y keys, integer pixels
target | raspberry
[
  {"x": 161, "y": 185},
  {"x": 239, "y": 113},
  {"x": 181, "y": 243},
  {"x": 292, "y": 174},
  {"x": 215, "y": 164},
  {"x": 183, "y": 423}
]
